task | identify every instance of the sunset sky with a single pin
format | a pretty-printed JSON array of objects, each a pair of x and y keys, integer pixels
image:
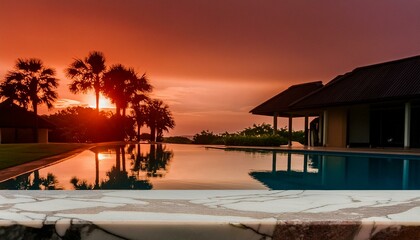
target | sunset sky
[{"x": 211, "y": 61}]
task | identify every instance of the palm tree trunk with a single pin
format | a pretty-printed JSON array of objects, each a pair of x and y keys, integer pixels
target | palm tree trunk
[
  {"x": 138, "y": 131},
  {"x": 118, "y": 110},
  {"x": 35, "y": 107},
  {"x": 97, "y": 101},
  {"x": 152, "y": 133}
]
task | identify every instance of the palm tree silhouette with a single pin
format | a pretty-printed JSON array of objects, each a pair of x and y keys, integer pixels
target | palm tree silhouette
[
  {"x": 31, "y": 84},
  {"x": 157, "y": 117},
  {"x": 138, "y": 111},
  {"x": 122, "y": 85},
  {"x": 87, "y": 74}
]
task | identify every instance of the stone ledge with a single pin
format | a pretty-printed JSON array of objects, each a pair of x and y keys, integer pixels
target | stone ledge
[{"x": 218, "y": 214}]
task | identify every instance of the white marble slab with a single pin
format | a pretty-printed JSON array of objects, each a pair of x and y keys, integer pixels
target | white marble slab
[{"x": 219, "y": 214}]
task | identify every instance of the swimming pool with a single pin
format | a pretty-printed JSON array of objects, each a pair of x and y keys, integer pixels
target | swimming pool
[{"x": 178, "y": 166}]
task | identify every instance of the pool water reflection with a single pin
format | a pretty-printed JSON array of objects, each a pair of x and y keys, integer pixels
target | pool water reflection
[{"x": 177, "y": 166}]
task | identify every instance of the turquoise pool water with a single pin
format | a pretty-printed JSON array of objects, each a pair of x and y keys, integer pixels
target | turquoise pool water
[{"x": 177, "y": 166}]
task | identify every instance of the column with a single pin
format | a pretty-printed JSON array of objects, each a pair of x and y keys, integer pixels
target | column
[
  {"x": 275, "y": 122},
  {"x": 324, "y": 129},
  {"x": 305, "y": 163},
  {"x": 289, "y": 162},
  {"x": 407, "y": 122},
  {"x": 290, "y": 130},
  {"x": 306, "y": 131}
]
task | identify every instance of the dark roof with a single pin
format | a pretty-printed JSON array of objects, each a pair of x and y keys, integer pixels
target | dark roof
[
  {"x": 395, "y": 80},
  {"x": 13, "y": 116},
  {"x": 281, "y": 101}
]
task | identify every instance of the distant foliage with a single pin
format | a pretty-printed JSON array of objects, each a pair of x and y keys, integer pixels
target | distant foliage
[
  {"x": 182, "y": 140},
  {"x": 79, "y": 124},
  {"x": 265, "y": 140},
  {"x": 207, "y": 137},
  {"x": 257, "y": 130},
  {"x": 298, "y": 136},
  {"x": 257, "y": 135},
  {"x": 145, "y": 136}
]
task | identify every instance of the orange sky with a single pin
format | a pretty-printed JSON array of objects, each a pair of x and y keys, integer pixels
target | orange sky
[{"x": 212, "y": 61}]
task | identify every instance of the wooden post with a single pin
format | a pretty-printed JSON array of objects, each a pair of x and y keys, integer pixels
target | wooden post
[
  {"x": 306, "y": 131},
  {"x": 324, "y": 129},
  {"x": 290, "y": 130},
  {"x": 275, "y": 123}
]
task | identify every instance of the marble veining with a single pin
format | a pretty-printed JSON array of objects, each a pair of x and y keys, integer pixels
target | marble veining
[{"x": 218, "y": 214}]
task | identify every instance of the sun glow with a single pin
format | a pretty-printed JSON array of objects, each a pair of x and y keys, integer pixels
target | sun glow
[
  {"x": 103, "y": 156},
  {"x": 104, "y": 103}
]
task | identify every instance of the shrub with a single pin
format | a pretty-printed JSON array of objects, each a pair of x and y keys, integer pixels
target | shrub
[
  {"x": 298, "y": 136},
  {"x": 177, "y": 139},
  {"x": 207, "y": 137},
  {"x": 265, "y": 140}
]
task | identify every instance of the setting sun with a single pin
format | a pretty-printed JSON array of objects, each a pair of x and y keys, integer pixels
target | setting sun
[{"x": 104, "y": 103}]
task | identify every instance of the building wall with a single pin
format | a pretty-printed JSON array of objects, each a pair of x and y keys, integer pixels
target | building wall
[
  {"x": 7, "y": 135},
  {"x": 43, "y": 135},
  {"x": 22, "y": 135},
  {"x": 336, "y": 127},
  {"x": 359, "y": 121}
]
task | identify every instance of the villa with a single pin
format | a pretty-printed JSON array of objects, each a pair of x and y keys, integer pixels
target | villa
[
  {"x": 17, "y": 124},
  {"x": 372, "y": 106}
]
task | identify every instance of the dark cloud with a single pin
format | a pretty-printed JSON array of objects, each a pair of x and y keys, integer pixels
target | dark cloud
[
  {"x": 270, "y": 40},
  {"x": 275, "y": 43}
]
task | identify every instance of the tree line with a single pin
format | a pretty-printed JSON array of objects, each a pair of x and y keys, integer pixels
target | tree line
[
  {"x": 257, "y": 135},
  {"x": 31, "y": 84}
]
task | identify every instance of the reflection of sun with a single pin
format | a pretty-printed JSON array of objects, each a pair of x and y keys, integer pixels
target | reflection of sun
[
  {"x": 103, "y": 102},
  {"x": 101, "y": 156}
]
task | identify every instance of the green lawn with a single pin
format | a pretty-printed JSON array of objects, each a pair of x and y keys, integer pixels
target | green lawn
[{"x": 16, "y": 154}]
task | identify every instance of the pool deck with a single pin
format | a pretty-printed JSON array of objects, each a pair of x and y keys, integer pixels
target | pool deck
[{"x": 218, "y": 215}]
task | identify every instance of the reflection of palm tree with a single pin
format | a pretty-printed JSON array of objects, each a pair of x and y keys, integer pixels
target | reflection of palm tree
[
  {"x": 117, "y": 158},
  {"x": 81, "y": 184},
  {"x": 116, "y": 178},
  {"x": 96, "y": 151},
  {"x": 24, "y": 182},
  {"x": 123, "y": 157},
  {"x": 30, "y": 84},
  {"x": 157, "y": 160},
  {"x": 49, "y": 182},
  {"x": 137, "y": 158},
  {"x": 96, "y": 169},
  {"x": 88, "y": 74},
  {"x": 120, "y": 180},
  {"x": 37, "y": 181}
]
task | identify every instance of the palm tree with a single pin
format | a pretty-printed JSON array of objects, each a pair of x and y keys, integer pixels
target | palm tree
[
  {"x": 31, "y": 84},
  {"x": 137, "y": 112},
  {"x": 123, "y": 85},
  {"x": 158, "y": 118},
  {"x": 87, "y": 74}
]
